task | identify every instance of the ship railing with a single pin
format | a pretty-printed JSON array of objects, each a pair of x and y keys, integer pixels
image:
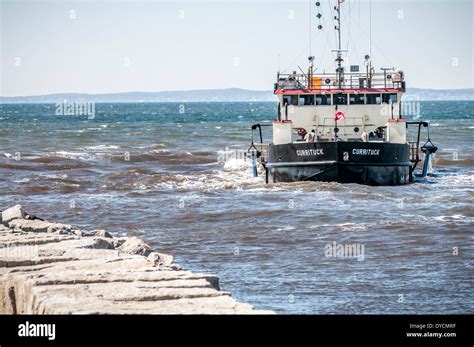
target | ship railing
[
  {"x": 260, "y": 150},
  {"x": 353, "y": 80},
  {"x": 263, "y": 149},
  {"x": 415, "y": 145},
  {"x": 414, "y": 151},
  {"x": 257, "y": 145}
]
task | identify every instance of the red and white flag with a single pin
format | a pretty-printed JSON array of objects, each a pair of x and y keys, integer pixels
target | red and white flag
[
  {"x": 339, "y": 115},
  {"x": 341, "y": 1}
]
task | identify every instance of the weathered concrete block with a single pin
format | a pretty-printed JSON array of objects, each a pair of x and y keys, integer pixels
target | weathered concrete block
[
  {"x": 43, "y": 271},
  {"x": 101, "y": 243},
  {"x": 102, "y": 233},
  {"x": 134, "y": 245},
  {"x": 118, "y": 242},
  {"x": 15, "y": 212},
  {"x": 159, "y": 259},
  {"x": 39, "y": 226},
  {"x": 59, "y": 228}
]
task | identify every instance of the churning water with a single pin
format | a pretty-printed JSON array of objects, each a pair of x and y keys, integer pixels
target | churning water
[{"x": 174, "y": 174}]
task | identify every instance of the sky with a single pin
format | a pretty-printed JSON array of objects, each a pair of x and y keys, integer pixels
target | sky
[{"x": 120, "y": 46}]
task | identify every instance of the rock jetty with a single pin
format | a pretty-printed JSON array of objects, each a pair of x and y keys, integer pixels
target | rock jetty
[{"x": 54, "y": 268}]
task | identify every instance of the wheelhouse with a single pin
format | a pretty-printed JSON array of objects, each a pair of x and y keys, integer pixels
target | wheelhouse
[{"x": 368, "y": 101}]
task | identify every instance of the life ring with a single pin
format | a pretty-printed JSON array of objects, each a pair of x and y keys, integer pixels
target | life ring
[
  {"x": 339, "y": 115},
  {"x": 302, "y": 132}
]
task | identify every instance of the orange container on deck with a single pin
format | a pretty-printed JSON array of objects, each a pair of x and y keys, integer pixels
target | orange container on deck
[{"x": 315, "y": 82}]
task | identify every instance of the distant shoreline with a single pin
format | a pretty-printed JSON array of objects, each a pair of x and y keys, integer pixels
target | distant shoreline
[
  {"x": 214, "y": 95},
  {"x": 211, "y": 102}
]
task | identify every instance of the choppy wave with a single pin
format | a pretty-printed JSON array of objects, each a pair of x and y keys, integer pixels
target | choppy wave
[{"x": 149, "y": 170}]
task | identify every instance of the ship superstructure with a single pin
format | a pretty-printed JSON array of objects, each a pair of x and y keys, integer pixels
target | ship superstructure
[{"x": 344, "y": 126}]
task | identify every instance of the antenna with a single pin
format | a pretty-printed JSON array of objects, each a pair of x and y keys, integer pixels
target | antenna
[
  {"x": 339, "y": 23},
  {"x": 370, "y": 27},
  {"x": 368, "y": 61},
  {"x": 309, "y": 28},
  {"x": 310, "y": 56}
]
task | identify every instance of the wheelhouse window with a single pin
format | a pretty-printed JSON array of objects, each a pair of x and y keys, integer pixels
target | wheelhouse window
[
  {"x": 340, "y": 99},
  {"x": 357, "y": 99},
  {"x": 389, "y": 98},
  {"x": 290, "y": 100},
  {"x": 321, "y": 99},
  {"x": 374, "y": 99},
  {"x": 306, "y": 99}
]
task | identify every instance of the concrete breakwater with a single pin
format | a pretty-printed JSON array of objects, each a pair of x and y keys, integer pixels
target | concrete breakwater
[{"x": 54, "y": 268}]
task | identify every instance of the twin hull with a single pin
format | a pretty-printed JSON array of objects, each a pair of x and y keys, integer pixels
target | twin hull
[{"x": 372, "y": 163}]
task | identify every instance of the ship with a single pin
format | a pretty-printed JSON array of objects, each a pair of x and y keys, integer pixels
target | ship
[{"x": 341, "y": 126}]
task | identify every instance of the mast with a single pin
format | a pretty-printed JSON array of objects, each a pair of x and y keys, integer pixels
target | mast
[
  {"x": 339, "y": 60},
  {"x": 339, "y": 23},
  {"x": 309, "y": 29},
  {"x": 310, "y": 57}
]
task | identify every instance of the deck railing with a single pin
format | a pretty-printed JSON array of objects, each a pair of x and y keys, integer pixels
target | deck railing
[
  {"x": 263, "y": 149},
  {"x": 414, "y": 151},
  {"x": 352, "y": 80}
]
